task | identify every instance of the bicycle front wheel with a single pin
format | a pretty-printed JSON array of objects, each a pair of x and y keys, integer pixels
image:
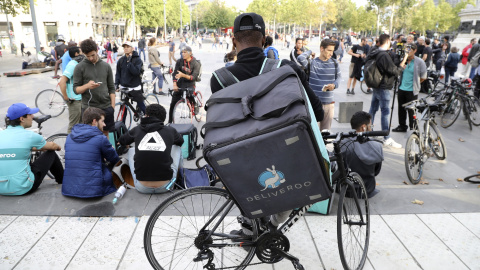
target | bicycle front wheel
[
  {"x": 50, "y": 102},
  {"x": 353, "y": 222},
  {"x": 436, "y": 142},
  {"x": 124, "y": 114},
  {"x": 177, "y": 231},
  {"x": 182, "y": 113},
  {"x": 451, "y": 113},
  {"x": 60, "y": 139},
  {"x": 364, "y": 88},
  {"x": 475, "y": 111},
  {"x": 151, "y": 99},
  {"x": 413, "y": 159}
]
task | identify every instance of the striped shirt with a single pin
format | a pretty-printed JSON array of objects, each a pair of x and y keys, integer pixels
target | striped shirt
[{"x": 322, "y": 73}]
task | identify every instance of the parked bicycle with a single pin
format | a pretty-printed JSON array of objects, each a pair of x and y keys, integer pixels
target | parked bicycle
[
  {"x": 50, "y": 101},
  {"x": 124, "y": 110},
  {"x": 191, "y": 229},
  {"x": 148, "y": 85},
  {"x": 421, "y": 144},
  {"x": 188, "y": 107}
]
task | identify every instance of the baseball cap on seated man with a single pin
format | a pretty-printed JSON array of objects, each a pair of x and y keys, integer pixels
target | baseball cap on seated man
[
  {"x": 249, "y": 21},
  {"x": 18, "y": 110},
  {"x": 127, "y": 43}
]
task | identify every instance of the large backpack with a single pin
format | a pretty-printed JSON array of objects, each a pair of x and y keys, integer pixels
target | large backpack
[
  {"x": 264, "y": 143},
  {"x": 475, "y": 61},
  {"x": 371, "y": 74},
  {"x": 189, "y": 134}
]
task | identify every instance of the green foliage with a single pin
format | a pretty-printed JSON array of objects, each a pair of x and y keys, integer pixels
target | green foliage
[
  {"x": 14, "y": 7},
  {"x": 218, "y": 15}
]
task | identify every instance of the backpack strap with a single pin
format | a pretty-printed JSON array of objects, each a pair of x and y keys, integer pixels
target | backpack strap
[
  {"x": 336, "y": 68},
  {"x": 224, "y": 77},
  {"x": 269, "y": 65}
]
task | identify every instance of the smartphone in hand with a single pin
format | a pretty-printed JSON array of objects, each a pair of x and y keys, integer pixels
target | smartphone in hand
[{"x": 99, "y": 82}]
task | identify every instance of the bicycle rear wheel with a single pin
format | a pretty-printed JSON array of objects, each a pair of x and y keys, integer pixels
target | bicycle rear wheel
[
  {"x": 413, "y": 159},
  {"x": 436, "y": 142},
  {"x": 364, "y": 88},
  {"x": 124, "y": 114},
  {"x": 353, "y": 222},
  {"x": 151, "y": 99},
  {"x": 60, "y": 139},
  {"x": 174, "y": 236},
  {"x": 50, "y": 102},
  {"x": 474, "y": 111},
  {"x": 182, "y": 113},
  {"x": 451, "y": 113}
]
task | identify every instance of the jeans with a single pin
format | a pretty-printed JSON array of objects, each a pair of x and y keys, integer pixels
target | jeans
[
  {"x": 381, "y": 98},
  {"x": 157, "y": 73},
  {"x": 449, "y": 72},
  {"x": 115, "y": 54},
  {"x": 177, "y": 158},
  {"x": 472, "y": 72},
  {"x": 142, "y": 50}
]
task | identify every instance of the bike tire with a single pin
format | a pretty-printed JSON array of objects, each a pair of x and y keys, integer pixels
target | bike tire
[
  {"x": 50, "y": 102},
  {"x": 413, "y": 159},
  {"x": 364, "y": 88},
  {"x": 451, "y": 113},
  {"x": 60, "y": 139},
  {"x": 182, "y": 113},
  {"x": 198, "y": 101},
  {"x": 436, "y": 142},
  {"x": 151, "y": 99},
  {"x": 353, "y": 222},
  {"x": 471, "y": 177},
  {"x": 124, "y": 114},
  {"x": 173, "y": 235},
  {"x": 475, "y": 111}
]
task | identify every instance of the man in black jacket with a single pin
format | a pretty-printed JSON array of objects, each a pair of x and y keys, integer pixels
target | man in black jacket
[
  {"x": 248, "y": 40},
  {"x": 157, "y": 155},
  {"x": 129, "y": 72},
  {"x": 141, "y": 47},
  {"x": 381, "y": 95}
]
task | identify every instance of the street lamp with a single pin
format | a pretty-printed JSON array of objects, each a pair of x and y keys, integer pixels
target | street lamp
[
  {"x": 164, "y": 21},
  {"x": 133, "y": 16},
  {"x": 181, "y": 23}
]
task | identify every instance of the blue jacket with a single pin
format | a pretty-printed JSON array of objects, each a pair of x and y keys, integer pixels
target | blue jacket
[
  {"x": 85, "y": 174},
  {"x": 452, "y": 61}
]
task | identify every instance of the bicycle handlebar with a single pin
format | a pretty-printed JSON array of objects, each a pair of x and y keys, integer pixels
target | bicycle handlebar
[{"x": 350, "y": 134}]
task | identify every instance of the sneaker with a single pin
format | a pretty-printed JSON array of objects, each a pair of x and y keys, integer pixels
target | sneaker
[
  {"x": 348, "y": 92},
  {"x": 400, "y": 129},
  {"x": 161, "y": 93},
  {"x": 392, "y": 143},
  {"x": 352, "y": 92}
]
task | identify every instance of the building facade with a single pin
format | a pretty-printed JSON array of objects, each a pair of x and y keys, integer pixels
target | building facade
[{"x": 71, "y": 19}]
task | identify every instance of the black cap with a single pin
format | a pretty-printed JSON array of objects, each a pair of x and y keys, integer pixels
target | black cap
[{"x": 256, "y": 23}]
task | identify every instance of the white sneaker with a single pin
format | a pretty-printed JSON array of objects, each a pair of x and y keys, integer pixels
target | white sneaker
[{"x": 392, "y": 143}]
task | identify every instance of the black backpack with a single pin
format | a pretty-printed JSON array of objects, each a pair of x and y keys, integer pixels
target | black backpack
[
  {"x": 199, "y": 77},
  {"x": 120, "y": 129},
  {"x": 371, "y": 74}
]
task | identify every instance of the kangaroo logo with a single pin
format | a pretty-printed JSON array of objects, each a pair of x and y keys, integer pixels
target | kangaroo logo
[{"x": 271, "y": 178}]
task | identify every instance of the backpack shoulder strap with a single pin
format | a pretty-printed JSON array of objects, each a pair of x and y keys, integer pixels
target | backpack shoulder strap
[
  {"x": 269, "y": 65},
  {"x": 336, "y": 67},
  {"x": 224, "y": 77}
]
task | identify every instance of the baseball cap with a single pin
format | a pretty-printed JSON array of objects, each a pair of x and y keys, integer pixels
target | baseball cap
[
  {"x": 187, "y": 48},
  {"x": 422, "y": 37},
  {"x": 128, "y": 43},
  {"x": 249, "y": 21},
  {"x": 19, "y": 109}
]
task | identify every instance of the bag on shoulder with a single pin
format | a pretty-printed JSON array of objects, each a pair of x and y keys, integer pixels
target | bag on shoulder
[
  {"x": 120, "y": 129},
  {"x": 475, "y": 61},
  {"x": 201, "y": 177},
  {"x": 371, "y": 74}
]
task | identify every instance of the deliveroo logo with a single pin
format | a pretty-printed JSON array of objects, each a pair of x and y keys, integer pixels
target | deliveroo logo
[{"x": 271, "y": 178}]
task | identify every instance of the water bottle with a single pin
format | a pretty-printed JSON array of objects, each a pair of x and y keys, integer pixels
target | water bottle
[{"x": 119, "y": 194}]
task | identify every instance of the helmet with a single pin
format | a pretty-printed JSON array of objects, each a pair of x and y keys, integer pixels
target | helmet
[{"x": 467, "y": 82}]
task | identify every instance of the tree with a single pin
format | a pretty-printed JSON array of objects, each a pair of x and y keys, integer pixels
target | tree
[
  {"x": 424, "y": 17},
  {"x": 14, "y": 7},
  {"x": 444, "y": 16},
  {"x": 218, "y": 15}
]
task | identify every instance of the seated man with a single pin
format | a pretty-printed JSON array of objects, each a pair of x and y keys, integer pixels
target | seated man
[
  {"x": 86, "y": 174},
  {"x": 157, "y": 155},
  {"x": 364, "y": 158},
  {"x": 17, "y": 175}
]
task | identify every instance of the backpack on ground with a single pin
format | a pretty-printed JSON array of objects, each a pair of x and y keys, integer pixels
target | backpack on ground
[
  {"x": 475, "y": 61},
  {"x": 200, "y": 177},
  {"x": 263, "y": 141},
  {"x": 371, "y": 74},
  {"x": 189, "y": 134},
  {"x": 120, "y": 129}
]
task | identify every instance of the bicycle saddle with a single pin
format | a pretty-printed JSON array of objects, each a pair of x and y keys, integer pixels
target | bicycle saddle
[{"x": 41, "y": 119}]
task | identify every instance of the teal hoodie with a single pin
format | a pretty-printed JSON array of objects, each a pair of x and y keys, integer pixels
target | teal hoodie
[{"x": 101, "y": 71}]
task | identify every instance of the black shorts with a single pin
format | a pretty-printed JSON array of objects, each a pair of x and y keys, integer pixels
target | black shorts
[{"x": 109, "y": 118}]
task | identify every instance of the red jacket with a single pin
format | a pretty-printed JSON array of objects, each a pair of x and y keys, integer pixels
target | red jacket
[{"x": 465, "y": 54}]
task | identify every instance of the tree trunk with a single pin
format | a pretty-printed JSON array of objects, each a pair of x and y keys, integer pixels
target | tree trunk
[
  {"x": 391, "y": 20},
  {"x": 274, "y": 28},
  {"x": 156, "y": 31}
]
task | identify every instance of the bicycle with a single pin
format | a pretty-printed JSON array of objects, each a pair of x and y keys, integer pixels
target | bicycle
[
  {"x": 460, "y": 99},
  {"x": 196, "y": 224},
  {"x": 148, "y": 85},
  {"x": 188, "y": 107},
  {"x": 125, "y": 111},
  {"x": 59, "y": 138},
  {"x": 421, "y": 145},
  {"x": 50, "y": 101}
]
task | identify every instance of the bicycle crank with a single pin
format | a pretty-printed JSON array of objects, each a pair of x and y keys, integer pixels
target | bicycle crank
[{"x": 272, "y": 247}]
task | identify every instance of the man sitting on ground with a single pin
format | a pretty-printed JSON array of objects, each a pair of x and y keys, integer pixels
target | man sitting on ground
[
  {"x": 17, "y": 175},
  {"x": 157, "y": 155},
  {"x": 364, "y": 158},
  {"x": 86, "y": 175}
]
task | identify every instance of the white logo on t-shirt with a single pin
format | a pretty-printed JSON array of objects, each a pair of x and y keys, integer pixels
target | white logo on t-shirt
[{"x": 157, "y": 145}]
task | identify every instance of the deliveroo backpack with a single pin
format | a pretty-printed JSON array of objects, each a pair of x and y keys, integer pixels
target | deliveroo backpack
[{"x": 263, "y": 141}]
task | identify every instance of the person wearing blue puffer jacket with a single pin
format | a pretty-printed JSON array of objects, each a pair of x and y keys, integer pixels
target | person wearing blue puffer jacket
[
  {"x": 86, "y": 175},
  {"x": 451, "y": 65}
]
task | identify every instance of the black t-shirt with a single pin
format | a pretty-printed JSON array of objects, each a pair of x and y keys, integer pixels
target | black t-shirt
[
  {"x": 60, "y": 50},
  {"x": 249, "y": 63},
  {"x": 419, "y": 52},
  {"x": 337, "y": 44},
  {"x": 358, "y": 49},
  {"x": 428, "y": 51}
]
